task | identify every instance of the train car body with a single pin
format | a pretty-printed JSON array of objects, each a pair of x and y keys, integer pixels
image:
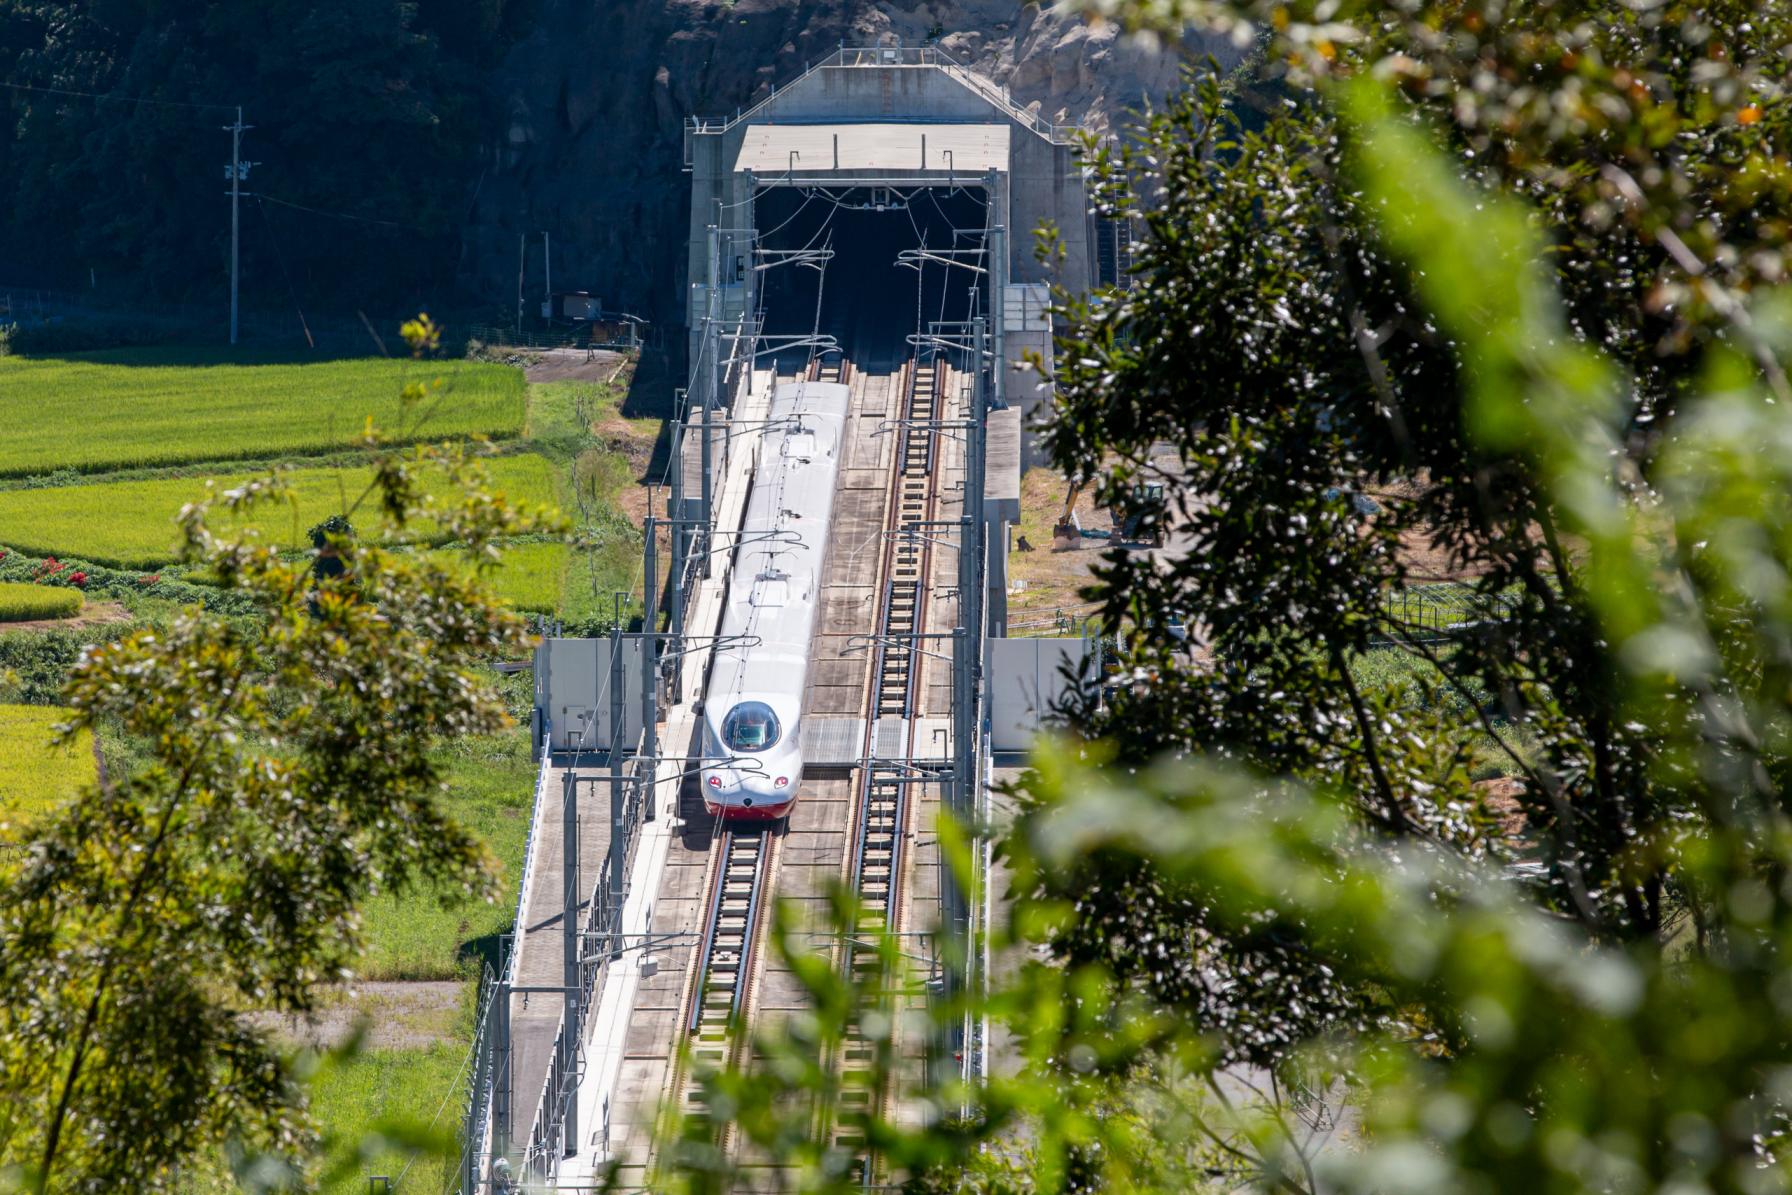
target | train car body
[{"x": 753, "y": 708}]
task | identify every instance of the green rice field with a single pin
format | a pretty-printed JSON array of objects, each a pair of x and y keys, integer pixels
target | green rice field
[
  {"x": 136, "y": 407},
  {"x": 21, "y": 600},
  {"x": 130, "y": 524},
  {"x": 34, "y": 776},
  {"x": 532, "y": 576},
  {"x": 143, "y": 424}
]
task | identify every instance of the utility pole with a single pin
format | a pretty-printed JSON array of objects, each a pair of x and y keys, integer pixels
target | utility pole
[{"x": 236, "y": 172}]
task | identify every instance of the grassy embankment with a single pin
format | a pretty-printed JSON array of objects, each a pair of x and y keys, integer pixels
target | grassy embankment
[
  {"x": 600, "y": 454},
  {"x": 418, "y": 1087},
  {"x": 418, "y": 935}
]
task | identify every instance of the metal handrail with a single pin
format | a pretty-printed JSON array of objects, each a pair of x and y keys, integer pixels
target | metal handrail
[
  {"x": 477, "y": 1111},
  {"x": 479, "y": 1126},
  {"x": 863, "y": 56},
  {"x": 560, "y": 1087},
  {"x": 531, "y": 844}
]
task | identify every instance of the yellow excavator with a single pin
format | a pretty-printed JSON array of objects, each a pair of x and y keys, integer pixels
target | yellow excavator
[{"x": 1068, "y": 529}]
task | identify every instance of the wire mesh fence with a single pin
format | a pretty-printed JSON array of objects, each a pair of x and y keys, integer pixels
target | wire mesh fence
[
  {"x": 1430, "y": 613},
  {"x": 617, "y": 336}
]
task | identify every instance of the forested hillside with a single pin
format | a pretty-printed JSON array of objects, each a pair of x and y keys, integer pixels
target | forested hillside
[
  {"x": 366, "y": 111},
  {"x": 405, "y": 147}
]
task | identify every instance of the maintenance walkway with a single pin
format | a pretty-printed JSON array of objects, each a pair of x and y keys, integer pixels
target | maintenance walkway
[{"x": 539, "y": 961}]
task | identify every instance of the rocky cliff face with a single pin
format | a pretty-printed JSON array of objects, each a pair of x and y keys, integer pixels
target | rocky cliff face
[{"x": 590, "y": 146}]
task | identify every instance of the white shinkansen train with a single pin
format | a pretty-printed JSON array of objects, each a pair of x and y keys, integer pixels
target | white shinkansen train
[{"x": 753, "y": 709}]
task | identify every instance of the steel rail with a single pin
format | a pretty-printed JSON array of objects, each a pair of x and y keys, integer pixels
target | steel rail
[
  {"x": 882, "y": 807},
  {"x": 726, "y": 954}
]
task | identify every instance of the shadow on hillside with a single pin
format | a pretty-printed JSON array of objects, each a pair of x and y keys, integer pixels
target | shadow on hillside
[
  {"x": 651, "y": 396},
  {"x": 487, "y": 950}
]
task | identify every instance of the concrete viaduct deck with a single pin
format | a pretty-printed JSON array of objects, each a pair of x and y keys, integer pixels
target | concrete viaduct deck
[{"x": 631, "y": 1059}]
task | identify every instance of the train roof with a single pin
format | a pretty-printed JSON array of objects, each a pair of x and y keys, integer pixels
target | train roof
[{"x": 775, "y": 587}]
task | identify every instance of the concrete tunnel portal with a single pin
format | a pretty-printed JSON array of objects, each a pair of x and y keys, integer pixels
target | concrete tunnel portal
[
  {"x": 954, "y": 159},
  {"x": 865, "y": 284}
]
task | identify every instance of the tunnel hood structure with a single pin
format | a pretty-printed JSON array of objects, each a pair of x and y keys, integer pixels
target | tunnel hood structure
[{"x": 806, "y": 207}]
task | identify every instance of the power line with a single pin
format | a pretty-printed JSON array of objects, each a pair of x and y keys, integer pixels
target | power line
[
  {"x": 280, "y": 257},
  {"x": 116, "y": 99},
  {"x": 337, "y": 215}
]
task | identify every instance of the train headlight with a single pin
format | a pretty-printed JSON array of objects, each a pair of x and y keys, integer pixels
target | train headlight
[
  {"x": 715, "y": 782},
  {"x": 781, "y": 781}
]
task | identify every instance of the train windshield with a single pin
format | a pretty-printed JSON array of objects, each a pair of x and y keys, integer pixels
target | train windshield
[{"x": 750, "y": 726}]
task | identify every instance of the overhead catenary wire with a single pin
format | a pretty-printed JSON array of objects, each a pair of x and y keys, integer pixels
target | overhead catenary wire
[{"x": 808, "y": 197}]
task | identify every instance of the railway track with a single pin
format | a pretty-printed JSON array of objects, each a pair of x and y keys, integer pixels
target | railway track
[
  {"x": 720, "y": 989},
  {"x": 720, "y": 993},
  {"x": 725, "y": 958},
  {"x": 837, "y": 370},
  {"x": 881, "y": 807}
]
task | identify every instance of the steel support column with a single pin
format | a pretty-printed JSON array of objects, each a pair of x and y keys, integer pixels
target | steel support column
[
  {"x": 998, "y": 299},
  {"x": 708, "y": 516},
  {"x": 501, "y": 1076},
  {"x": 569, "y": 944},
  {"x": 618, "y": 806},
  {"x": 677, "y": 518}
]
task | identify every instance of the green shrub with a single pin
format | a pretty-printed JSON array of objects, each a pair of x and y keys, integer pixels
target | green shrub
[
  {"x": 122, "y": 583},
  {"x": 19, "y": 602},
  {"x": 34, "y": 665}
]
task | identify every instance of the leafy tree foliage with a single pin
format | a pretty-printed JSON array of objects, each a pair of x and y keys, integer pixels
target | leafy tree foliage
[
  {"x": 290, "y": 776},
  {"x": 368, "y": 110},
  {"x": 1290, "y": 359},
  {"x": 1517, "y": 269}
]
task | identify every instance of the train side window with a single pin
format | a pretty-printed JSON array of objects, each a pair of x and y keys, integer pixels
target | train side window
[{"x": 750, "y": 726}]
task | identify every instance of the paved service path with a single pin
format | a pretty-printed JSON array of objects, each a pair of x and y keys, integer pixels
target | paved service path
[{"x": 535, "y": 1016}]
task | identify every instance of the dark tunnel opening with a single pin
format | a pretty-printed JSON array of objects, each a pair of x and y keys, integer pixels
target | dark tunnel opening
[{"x": 865, "y": 297}]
